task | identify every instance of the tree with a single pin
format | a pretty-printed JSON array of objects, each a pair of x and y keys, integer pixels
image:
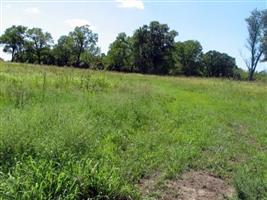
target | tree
[
  {"x": 48, "y": 57},
  {"x": 120, "y": 53},
  {"x": 39, "y": 43},
  {"x": 153, "y": 45},
  {"x": 219, "y": 64},
  {"x": 63, "y": 51},
  {"x": 255, "y": 40},
  {"x": 189, "y": 55},
  {"x": 13, "y": 39},
  {"x": 90, "y": 57},
  {"x": 84, "y": 40},
  {"x": 264, "y": 40}
]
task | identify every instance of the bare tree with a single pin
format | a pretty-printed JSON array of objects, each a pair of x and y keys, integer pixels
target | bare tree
[
  {"x": 264, "y": 40},
  {"x": 254, "y": 41}
]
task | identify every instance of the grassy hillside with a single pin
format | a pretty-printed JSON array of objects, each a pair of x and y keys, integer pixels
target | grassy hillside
[{"x": 78, "y": 134}]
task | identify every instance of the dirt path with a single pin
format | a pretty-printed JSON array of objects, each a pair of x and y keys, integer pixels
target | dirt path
[{"x": 193, "y": 185}]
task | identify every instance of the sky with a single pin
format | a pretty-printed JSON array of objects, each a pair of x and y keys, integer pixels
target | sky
[{"x": 216, "y": 24}]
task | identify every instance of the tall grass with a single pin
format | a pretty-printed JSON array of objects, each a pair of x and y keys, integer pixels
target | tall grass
[{"x": 80, "y": 134}]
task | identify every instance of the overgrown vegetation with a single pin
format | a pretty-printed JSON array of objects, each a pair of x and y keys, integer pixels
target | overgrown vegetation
[{"x": 78, "y": 134}]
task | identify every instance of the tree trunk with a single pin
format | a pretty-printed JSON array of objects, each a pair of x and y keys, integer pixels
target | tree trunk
[
  {"x": 251, "y": 74},
  {"x": 39, "y": 58},
  {"x": 78, "y": 60},
  {"x": 13, "y": 54}
]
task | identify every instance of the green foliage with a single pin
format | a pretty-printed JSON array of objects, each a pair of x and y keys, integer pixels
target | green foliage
[
  {"x": 261, "y": 76},
  {"x": 119, "y": 57},
  {"x": 35, "y": 46},
  {"x": 63, "y": 51},
  {"x": 84, "y": 40},
  {"x": 189, "y": 55},
  {"x": 38, "y": 43},
  {"x": 13, "y": 40},
  {"x": 151, "y": 50},
  {"x": 153, "y": 45},
  {"x": 218, "y": 64},
  {"x": 91, "y": 59},
  {"x": 77, "y": 49}
]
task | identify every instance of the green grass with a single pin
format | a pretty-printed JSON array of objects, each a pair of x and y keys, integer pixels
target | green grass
[{"x": 79, "y": 134}]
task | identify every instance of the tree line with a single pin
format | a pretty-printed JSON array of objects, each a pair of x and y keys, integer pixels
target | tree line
[
  {"x": 151, "y": 49},
  {"x": 36, "y": 46}
]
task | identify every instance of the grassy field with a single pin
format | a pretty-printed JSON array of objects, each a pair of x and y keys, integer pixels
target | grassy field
[{"x": 80, "y": 134}]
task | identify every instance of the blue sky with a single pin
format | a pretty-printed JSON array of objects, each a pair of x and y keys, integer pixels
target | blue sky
[{"x": 218, "y": 25}]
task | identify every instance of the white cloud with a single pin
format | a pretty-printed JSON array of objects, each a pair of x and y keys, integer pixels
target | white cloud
[
  {"x": 78, "y": 22},
  {"x": 139, "y": 4},
  {"x": 34, "y": 11}
]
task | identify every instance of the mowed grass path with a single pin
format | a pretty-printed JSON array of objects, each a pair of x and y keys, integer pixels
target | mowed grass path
[{"x": 79, "y": 134}]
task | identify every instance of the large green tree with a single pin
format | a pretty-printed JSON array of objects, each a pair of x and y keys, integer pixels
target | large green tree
[
  {"x": 188, "y": 56},
  {"x": 84, "y": 40},
  {"x": 63, "y": 51},
  {"x": 120, "y": 54},
  {"x": 38, "y": 43},
  {"x": 13, "y": 40},
  {"x": 219, "y": 64},
  {"x": 153, "y": 45}
]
